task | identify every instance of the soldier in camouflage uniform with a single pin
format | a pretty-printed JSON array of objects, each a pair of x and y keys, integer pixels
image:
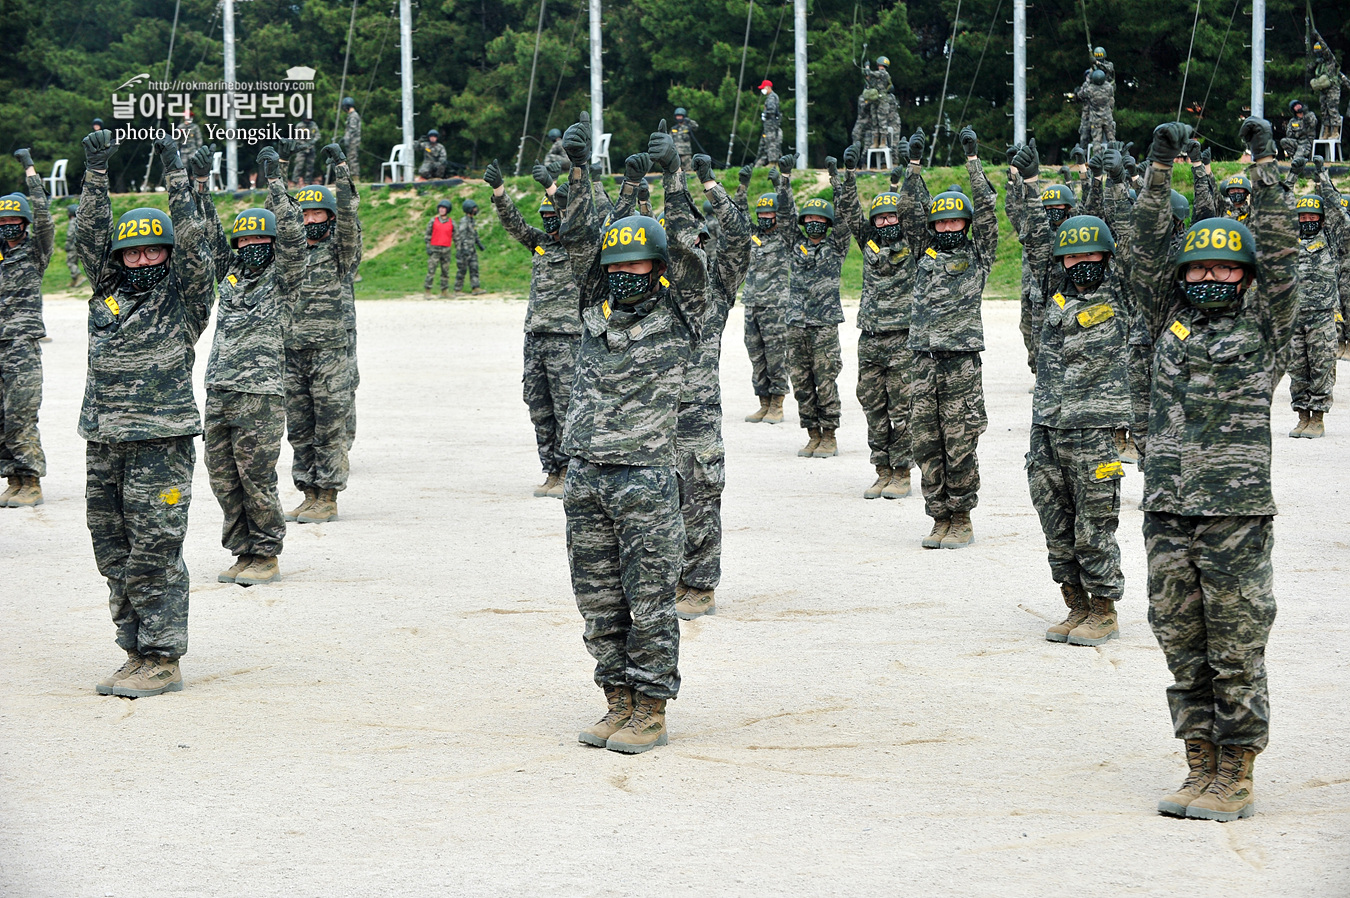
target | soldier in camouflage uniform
[
  {"x": 814, "y": 312},
  {"x": 1098, "y": 95},
  {"x": 351, "y": 139},
  {"x": 319, "y": 334},
  {"x": 644, "y": 298},
  {"x": 153, "y": 288},
  {"x": 767, "y": 290},
  {"x": 1300, "y": 131},
  {"x": 1208, "y": 507},
  {"x": 556, "y": 154},
  {"x": 552, "y": 325},
  {"x": 1326, "y": 79},
  {"x": 23, "y": 262},
  {"x": 259, "y": 268},
  {"x": 440, "y": 240},
  {"x": 434, "y": 160},
  {"x": 1312, "y": 351},
  {"x": 189, "y": 136},
  {"x": 467, "y": 247},
  {"x": 946, "y": 333},
  {"x": 72, "y": 257},
  {"x": 886, "y": 235},
  {"x": 302, "y": 161},
  {"x": 683, "y": 132},
  {"x": 1059, "y": 203},
  {"x": 771, "y": 120},
  {"x": 1337, "y": 221}
]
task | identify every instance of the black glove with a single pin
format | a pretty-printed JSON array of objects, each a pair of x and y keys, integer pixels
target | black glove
[
  {"x": 1193, "y": 150},
  {"x": 269, "y": 163},
  {"x": 1131, "y": 165},
  {"x": 493, "y": 175},
  {"x": 746, "y": 172},
  {"x": 1289, "y": 145},
  {"x": 1011, "y": 152},
  {"x": 897, "y": 175},
  {"x": 661, "y": 147},
  {"x": 1115, "y": 145},
  {"x": 25, "y": 159},
  {"x": 1096, "y": 163},
  {"x": 970, "y": 143},
  {"x": 785, "y": 163},
  {"x": 555, "y": 168},
  {"x": 1318, "y": 164},
  {"x": 541, "y": 174},
  {"x": 332, "y": 155},
  {"x": 1297, "y": 164},
  {"x": 914, "y": 150},
  {"x": 1027, "y": 161},
  {"x": 832, "y": 166},
  {"x": 1113, "y": 163},
  {"x": 1255, "y": 133},
  {"x": 1206, "y": 156},
  {"x": 853, "y": 155},
  {"x": 199, "y": 164},
  {"x": 644, "y": 190},
  {"x": 167, "y": 148},
  {"x": 1169, "y": 140},
  {"x": 703, "y": 168},
  {"x": 287, "y": 149},
  {"x": 1128, "y": 149},
  {"x": 1078, "y": 155},
  {"x": 577, "y": 141},
  {"x": 98, "y": 147}
]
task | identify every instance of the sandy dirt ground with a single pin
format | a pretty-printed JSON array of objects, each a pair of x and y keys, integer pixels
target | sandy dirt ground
[{"x": 399, "y": 716}]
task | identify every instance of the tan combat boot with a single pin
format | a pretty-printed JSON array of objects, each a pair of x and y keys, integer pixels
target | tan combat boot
[
  {"x": 30, "y": 493},
  {"x": 828, "y": 446},
  {"x": 940, "y": 528},
  {"x": 427, "y": 294},
  {"x": 695, "y": 603},
  {"x": 105, "y": 685},
  {"x": 310, "y": 495},
  {"x": 1077, "y": 600},
  {"x": 898, "y": 488},
  {"x": 1201, "y": 759},
  {"x": 556, "y": 491},
  {"x": 620, "y": 699},
  {"x": 756, "y": 416},
  {"x": 240, "y": 565},
  {"x": 1315, "y": 430},
  {"x": 883, "y": 478},
  {"x": 550, "y": 480},
  {"x": 1230, "y": 795},
  {"x": 775, "y": 413},
  {"x": 961, "y": 533},
  {"x": 813, "y": 440},
  {"x": 1304, "y": 419},
  {"x": 155, "y": 676},
  {"x": 1100, "y": 625},
  {"x": 264, "y": 569},
  {"x": 322, "y": 510},
  {"x": 477, "y": 291},
  {"x": 445, "y": 293},
  {"x": 645, "y": 730},
  {"x": 15, "y": 481}
]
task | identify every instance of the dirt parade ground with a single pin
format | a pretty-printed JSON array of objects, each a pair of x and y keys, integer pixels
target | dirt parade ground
[{"x": 398, "y": 716}]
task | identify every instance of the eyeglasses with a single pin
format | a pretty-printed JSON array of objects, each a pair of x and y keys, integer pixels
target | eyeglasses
[
  {"x": 135, "y": 255},
  {"x": 1196, "y": 273}
]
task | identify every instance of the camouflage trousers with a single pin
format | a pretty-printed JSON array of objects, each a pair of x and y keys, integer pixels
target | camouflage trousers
[
  {"x": 1029, "y": 323},
  {"x": 884, "y": 365},
  {"x": 1096, "y": 129},
  {"x": 73, "y": 264},
  {"x": 353, "y": 152},
  {"x": 356, "y": 382},
  {"x": 550, "y": 362},
  {"x": 1312, "y": 361},
  {"x": 1329, "y": 102},
  {"x": 1141, "y": 383},
  {"x": 466, "y": 264},
  {"x": 1211, "y": 603},
  {"x": 20, "y": 398},
  {"x": 766, "y": 341},
  {"x": 946, "y": 420},
  {"x": 438, "y": 257},
  {"x": 318, "y": 409},
  {"x": 243, "y": 442},
  {"x": 625, "y": 542},
  {"x": 701, "y": 467},
  {"x": 1074, "y": 477},
  {"x": 770, "y": 143},
  {"x": 302, "y": 165},
  {"x": 815, "y": 360},
  {"x": 136, "y": 505}
]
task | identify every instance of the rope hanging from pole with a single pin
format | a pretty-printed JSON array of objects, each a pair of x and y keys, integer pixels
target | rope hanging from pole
[
  {"x": 1182, "y": 99},
  {"x": 1223, "y": 46},
  {"x": 740, "y": 83},
  {"x": 529, "y": 98},
  {"x": 1086, "y": 34},
  {"x": 942, "y": 100},
  {"x": 351, "y": 28},
  {"x": 988, "y": 34}
]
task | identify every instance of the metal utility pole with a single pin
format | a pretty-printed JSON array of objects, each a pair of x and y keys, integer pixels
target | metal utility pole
[
  {"x": 406, "y": 60},
  {"x": 1019, "y": 71},
  {"x": 231, "y": 145},
  {"x": 1259, "y": 58},
  {"x": 597, "y": 79},
  {"x": 799, "y": 42}
]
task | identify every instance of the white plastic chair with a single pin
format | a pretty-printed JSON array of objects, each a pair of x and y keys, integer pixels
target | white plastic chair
[
  {"x": 396, "y": 163},
  {"x": 213, "y": 182},
  {"x": 601, "y": 153},
  {"x": 1329, "y": 150},
  {"x": 56, "y": 184},
  {"x": 882, "y": 153}
]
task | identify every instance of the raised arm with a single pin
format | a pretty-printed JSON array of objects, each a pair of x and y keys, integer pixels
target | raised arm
[
  {"x": 1273, "y": 224},
  {"x": 733, "y": 244},
  {"x": 290, "y": 251},
  {"x": 849, "y": 209},
  {"x": 580, "y": 230},
  {"x": 93, "y": 221},
  {"x": 192, "y": 263},
  {"x": 349, "y": 213},
  {"x": 984, "y": 227},
  {"x": 44, "y": 232}
]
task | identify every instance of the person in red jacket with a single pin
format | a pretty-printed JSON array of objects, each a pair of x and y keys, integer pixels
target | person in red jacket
[{"x": 440, "y": 238}]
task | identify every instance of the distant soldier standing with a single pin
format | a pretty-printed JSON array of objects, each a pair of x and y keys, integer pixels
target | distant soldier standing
[
  {"x": 72, "y": 255},
  {"x": 766, "y": 296},
  {"x": 440, "y": 239},
  {"x": 1098, "y": 95},
  {"x": 191, "y": 136},
  {"x": 351, "y": 139},
  {"x": 23, "y": 262},
  {"x": 682, "y": 131},
  {"x": 1312, "y": 349},
  {"x": 434, "y": 160},
  {"x": 1326, "y": 79},
  {"x": 556, "y": 153},
  {"x": 771, "y": 136},
  {"x": 302, "y": 162},
  {"x": 466, "y": 249},
  {"x": 552, "y": 325},
  {"x": 153, "y": 288}
]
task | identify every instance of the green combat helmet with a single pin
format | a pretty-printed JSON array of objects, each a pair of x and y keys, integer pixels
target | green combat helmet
[
  {"x": 883, "y": 61},
  {"x": 1084, "y": 234},
  {"x": 633, "y": 239},
  {"x": 1098, "y": 53},
  {"x": 823, "y": 208},
  {"x": 949, "y": 204},
  {"x": 882, "y": 203},
  {"x": 1216, "y": 240},
  {"x": 1098, "y": 76},
  {"x": 317, "y": 197},
  {"x": 253, "y": 223},
  {"x": 467, "y": 206},
  {"x": 15, "y": 205},
  {"x": 143, "y": 227},
  {"x": 1181, "y": 207}
]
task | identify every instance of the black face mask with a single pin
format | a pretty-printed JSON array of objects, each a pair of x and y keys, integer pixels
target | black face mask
[
  {"x": 1057, "y": 216},
  {"x": 889, "y": 233},
  {"x": 551, "y": 224},
  {"x": 11, "y": 231},
  {"x": 139, "y": 280},
  {"x": 1087, "y": 274},
  {"x": 256, "y": 256},
  {"x": 1309, "y": 229},
  {"x": 318, "y": 230},
  {"x": 766, "y": 224},
  {"x": 815, "y": 228},
  {"x": 1212, "y": 296},
  {"x": 628, "y": 285},
  {"x": 1239, "y": 199},
  {"x": 949, "y": 240}
]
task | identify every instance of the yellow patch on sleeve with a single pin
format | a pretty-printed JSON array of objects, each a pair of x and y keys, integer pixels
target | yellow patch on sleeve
[
  {"x": 803, "y": 249},
  {"x": 873, "y": 245},
  {"x": 664, "y": 282},
  {"x": 1059, "y": 299},
  {"x": 604, "y": 309},
  {"x": 932, "y": 253},
  {"x": 1108, "y": 469},
  {"x": 1339, "y": 318},
  {"x": 112, "y": 306},
  {"x": 171, "y": 496},
  {"x": 756, "y": 240},
  {"x": 1096, "y": 315},
  {"x": 231, "y": 278},
  {"x": 539, "y": 250},
  {"x": 1181, "y": 330},
  {"x": 2, "y": 257}
]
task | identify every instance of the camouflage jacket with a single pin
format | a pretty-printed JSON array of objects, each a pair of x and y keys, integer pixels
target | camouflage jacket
[
  {"x": 1303, "y": 130},
  {"x": 816, "y": 267},
  {"x": 322, "y": 311},
  {"x": 22, "y": 268},
  {"x": 702, "y": 379},
  {"x": 247, "y": 352},
  {"x": 715, "y": 237},
  {"x": 1099, "y": 99},
  {"x": 314, "y": 141},
  {"x": 1214, "y": 376},
  {"x": 772, "y": 111},
  {"x": 1336, "y": 223},
  {"x": 556, "y": 153},
  {"x": 467, "y": 243},
  {"x": 950, "y": 285},
  {"x": 351, "y": 136},
  {"x": 1082, "y": 375},
  {"x": 553, "y": 289},
  {"x": 433, "y": 160},
  {"x": 1318, "y": 274},
  {"x": 632, "y": 359},
  {"x": 876, "y": 79},
  {"x": 142, "y": 346},
  {"x": 889, "y": 269},
  {"x": 768, "y": 282}
]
